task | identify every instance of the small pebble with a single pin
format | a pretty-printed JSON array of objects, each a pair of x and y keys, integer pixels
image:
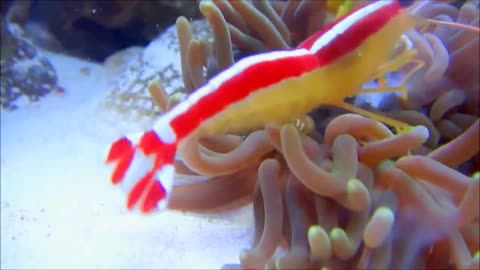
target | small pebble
[{"x": 85, "y": 71}]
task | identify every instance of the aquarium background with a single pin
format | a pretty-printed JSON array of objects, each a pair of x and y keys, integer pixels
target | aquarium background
[{"x": 76, "y": 75}]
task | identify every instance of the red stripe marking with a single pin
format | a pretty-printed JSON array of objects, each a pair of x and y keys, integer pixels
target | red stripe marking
[
  {"x": 250, "y": 80},
  {"x": 155, "y": 193},
  {"x": 166, "y": 157},
  {"x": 137, "y": 190},
  {"x": 118, "y": 149},
  {"x": 354, "y": 36},
  {"x": 122, "y": 166},
  {"x": 308, "y": 43},
  {"x": 150, "y": 143}
]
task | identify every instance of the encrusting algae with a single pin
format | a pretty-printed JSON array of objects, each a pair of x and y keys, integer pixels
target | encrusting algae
[{"x": 345, "y": 191}]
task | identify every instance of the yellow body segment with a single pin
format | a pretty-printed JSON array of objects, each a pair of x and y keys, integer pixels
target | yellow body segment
[{"x": 327, "y": 85}]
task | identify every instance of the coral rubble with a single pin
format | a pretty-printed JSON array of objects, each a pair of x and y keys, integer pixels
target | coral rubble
[{"x": 26, "y": 74}]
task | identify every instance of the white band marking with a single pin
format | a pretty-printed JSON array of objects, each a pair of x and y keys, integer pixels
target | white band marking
[{"x": 343, "y": 26}]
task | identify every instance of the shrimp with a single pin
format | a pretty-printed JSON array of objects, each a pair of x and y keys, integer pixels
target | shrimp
[{"x": 272, "y": 87}]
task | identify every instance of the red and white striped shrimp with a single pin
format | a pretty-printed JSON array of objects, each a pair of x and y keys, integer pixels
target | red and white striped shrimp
[{"x": 269, "y": 87}]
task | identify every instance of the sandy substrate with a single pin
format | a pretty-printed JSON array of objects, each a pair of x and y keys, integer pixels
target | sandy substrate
[{"x": 58, "y": 209}]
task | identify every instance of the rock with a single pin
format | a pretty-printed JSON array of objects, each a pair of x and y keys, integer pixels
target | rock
[
  {"x": 26, "y": 74},
  {"x": 118, "y": 62},
  {"x": 39, "y": 34},
  {"x": 110, "y": 25}
]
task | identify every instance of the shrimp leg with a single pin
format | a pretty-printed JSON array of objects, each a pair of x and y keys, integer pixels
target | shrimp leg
[
  {"x": 400, "y": 127},
  {"x": 398, "y": 62}
]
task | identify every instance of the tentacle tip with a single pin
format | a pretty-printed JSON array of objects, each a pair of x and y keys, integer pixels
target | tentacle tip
[
  {"x": 379, "y": 227},
  {"x": 205, "y": 6},
  {"x": 385, "y": 214},
  {"x": 337, "y": 234},
  {"x": 354, "y": 185},
  {"x": 181, "y": 19},
  {"x": 287, "y": 128},
  {"x": 421, "y": 132},
  {"x": 386, "y": 165},
  {"x": 320, "y": 246},
  {"x": 476, "y": 256},
  {"x": 358, "y": 195},
  {"x": 313, "y": 231}
]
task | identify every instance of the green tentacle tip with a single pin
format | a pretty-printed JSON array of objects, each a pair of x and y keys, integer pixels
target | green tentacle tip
[
  {"x": 206, "y": 6},
  {"x": 345, "y": 8},
  {"x": 476, "y": 255}
]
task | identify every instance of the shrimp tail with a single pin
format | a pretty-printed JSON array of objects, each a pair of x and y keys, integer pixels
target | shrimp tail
[{"x": 144, "y": 169}]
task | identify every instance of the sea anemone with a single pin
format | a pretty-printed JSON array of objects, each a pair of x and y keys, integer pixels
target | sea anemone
[{"x": 342, "y": 191}]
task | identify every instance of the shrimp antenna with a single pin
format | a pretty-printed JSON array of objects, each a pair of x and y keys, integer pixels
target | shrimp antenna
[
  {"x": 422, "y": 21},
  {"x": 453, "y": 24}
]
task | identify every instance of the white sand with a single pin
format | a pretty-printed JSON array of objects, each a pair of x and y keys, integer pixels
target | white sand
[{"x": 58, "y": 209}]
